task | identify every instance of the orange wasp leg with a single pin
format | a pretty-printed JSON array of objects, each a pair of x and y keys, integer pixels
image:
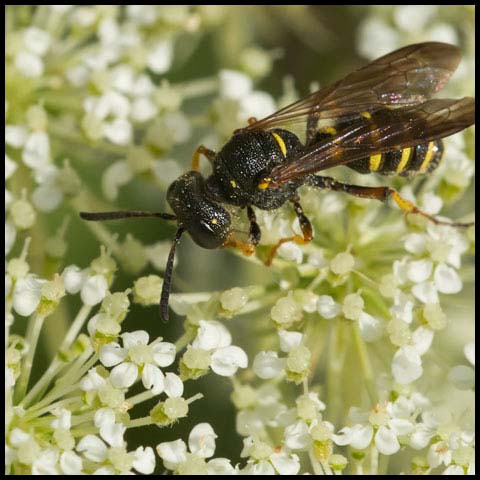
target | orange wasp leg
[
  {"x": 201, "y": 150},
  {"x": 378, "y": 193},
  {"x": 307, "y": 232}
]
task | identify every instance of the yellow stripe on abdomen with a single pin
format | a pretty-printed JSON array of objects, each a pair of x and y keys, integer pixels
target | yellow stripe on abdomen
[
  {"x": 375, "y": 161},
  {"x": 428, "y": 157},
  {"x": 406, "y": 154},
  {"x": 281, "y": 143}
]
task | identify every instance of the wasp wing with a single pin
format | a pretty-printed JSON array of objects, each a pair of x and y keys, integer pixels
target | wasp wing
[
  {"x": 406, "y": 76},
  {"x": 388, "y": 129}
]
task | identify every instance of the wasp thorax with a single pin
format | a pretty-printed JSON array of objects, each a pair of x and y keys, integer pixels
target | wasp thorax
[{"x": 206, "y": 221}]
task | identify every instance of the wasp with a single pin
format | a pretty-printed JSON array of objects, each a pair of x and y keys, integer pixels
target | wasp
[{"x": 379, "y": 119}]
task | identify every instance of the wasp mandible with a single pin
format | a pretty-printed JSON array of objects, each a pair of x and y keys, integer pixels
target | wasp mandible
[{"x": 380, "y": 118}]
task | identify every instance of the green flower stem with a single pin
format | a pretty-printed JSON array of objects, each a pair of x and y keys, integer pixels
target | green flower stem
[
  {"x": 67, "y": 402},
  {"x": 139, "y": 422},
  {"x": 64, "y": 134},
  {"x": 198, "y": 88},
  {"x": 76, "y": 326},
  {"x": 338, "y": 344},
  {"x": 365, "y": 364},
  {"x": 373, "y": 460},
  {"x": 53, "y": 395},
  {"x": 184, "y": 340},
  {"x": 86, "y": 417},
  {"x": 139, "y": 398},
  {"x": 198, "y": 396},
  {"x": 79, "y": 368},
  {"x": 81, "y": 432},
  {"x": 57, "y": 364},
  {"x": 33, "y": 334}
]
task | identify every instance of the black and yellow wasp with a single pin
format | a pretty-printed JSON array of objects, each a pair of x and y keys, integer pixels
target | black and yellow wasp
[{"x": 380, "y": 118}]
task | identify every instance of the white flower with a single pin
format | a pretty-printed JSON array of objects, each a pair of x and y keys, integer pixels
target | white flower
[
  {"x": 289, "y": 340},
  {"x": 144, "y": 460},
  {"x": 227, "y": 360},
  {"x": 419, "y": 270},
  {"x": 160, "y": 57},
  {"x": 94, "y": 290},
  {"x": 406, "y": 365},
  {"x": 212, "y": 335},
  {"x": 371, "y": 329},
  {"x": 327, "y": 307},
  {"x": 36, "y": 41},
  {"x": 291, "y": 251},
  {"x": 36, "y": 151},
  {"x": 268, "y": 365},
  {"x": 389, "y": 425},
  {"x": 215, "y": 338},
  {"x": 15, "y": 135},
  {"x": 115, "y": 176},
  {"x": 422, "y": 339},
  {"x": 71, "y": 463},
  {"x": 425, "y": 292},
  {"x": 297, "y": 436},
  {"x": 264, "y": 460},
  {"x": 137, "y": 356},
  {"x": 73, "y": 278},
  {"x": 234, "y": 84},
  {"x": 402, "y": 308},
  {"x": 463, "y": 376},
  {"x": 201, "y": 443},
  {"x": 447, "y": 280},
  {"x": 27, "y": 294}
]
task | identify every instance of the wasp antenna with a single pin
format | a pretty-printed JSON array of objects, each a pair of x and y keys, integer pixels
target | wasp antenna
[
  {"x": 168, "y": 277},
  {"x": 100, "y": 216}
]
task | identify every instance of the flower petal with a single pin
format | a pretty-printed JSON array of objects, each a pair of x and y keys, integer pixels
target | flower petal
[
  {"x": 112, "y": 354},
  {"x": 144, "y": 460},
  {"x": 406, "y": 365},
  {"x": 124, "y": 375},
  {"x": 164, "y": 353},
  {"x": 226, "y": 361},
  {"x": 173, "y": 385},
  {"x": 268, "y": 365},
  {"x": 201, "y": 440},
  {"x": 386, "y": 441},
  {"x": 153, "y": 378}
]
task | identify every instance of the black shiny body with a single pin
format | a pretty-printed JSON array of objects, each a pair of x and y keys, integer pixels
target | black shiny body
[
  {"x": 237, "y": 171},
  {"x": 207, "y": 222},
  {"x": 244, "y": 161}
]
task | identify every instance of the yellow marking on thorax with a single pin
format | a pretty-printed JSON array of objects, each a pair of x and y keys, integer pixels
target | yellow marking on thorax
[
  {"x": 375, "y": 161},
  {"x": 328, "y": 130},
  {"x": 281, "y": 143},
  {"x": 263, "y": 185},
  {"x": 428, "y": 157},
  {"x": 366, "y": 115},
  {"x": 233, "y": 183},
  {"x": 406, "y": 154},
  {"x": 213, "y": 221}
]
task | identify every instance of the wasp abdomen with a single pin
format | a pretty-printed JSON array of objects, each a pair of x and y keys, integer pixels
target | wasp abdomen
[{"x": 406, "y": 162}]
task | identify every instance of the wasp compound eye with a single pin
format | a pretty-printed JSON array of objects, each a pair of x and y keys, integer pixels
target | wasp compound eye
[{"x": 207, "y": 222}]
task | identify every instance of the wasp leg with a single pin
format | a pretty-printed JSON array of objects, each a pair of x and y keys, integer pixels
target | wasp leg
[
  {"x": 246, "y": 248},
  {"x": 378, "y": 193},
  {"x": 202, "y": 150},
  {"x": 255, "y": 233},
  {"x": 307, "y": 232}
]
